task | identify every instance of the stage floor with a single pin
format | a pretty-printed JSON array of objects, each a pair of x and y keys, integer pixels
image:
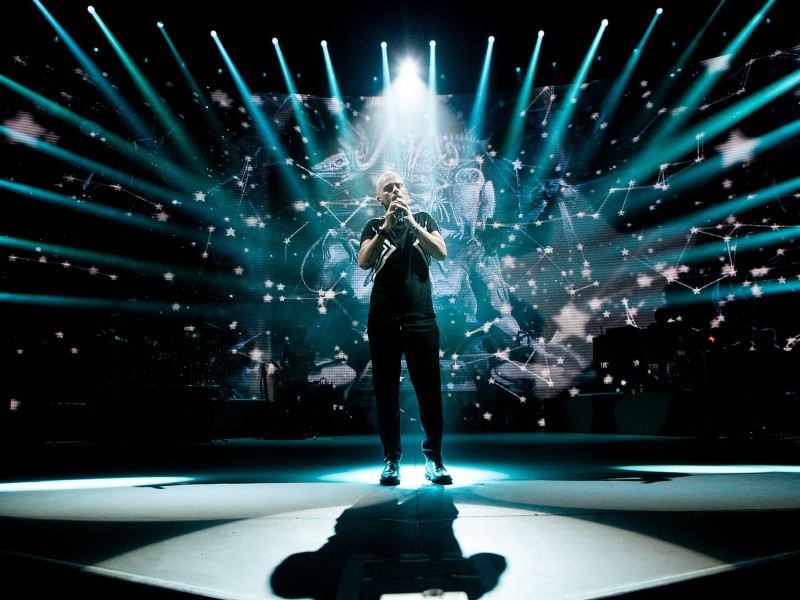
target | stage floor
[{"x": 549, "y": 516}]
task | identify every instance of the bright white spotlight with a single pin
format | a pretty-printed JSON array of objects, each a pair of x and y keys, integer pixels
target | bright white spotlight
[
  {"x": 86, "y": 484},
  {"x": 409, "y": 89},
  {"x": 412, "y": 476},
  {"x": 408, "y": 69},
  {"x": 711, "y": 469}
]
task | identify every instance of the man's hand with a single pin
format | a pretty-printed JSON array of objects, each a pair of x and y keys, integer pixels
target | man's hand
[{"x": 398, "y": 211}]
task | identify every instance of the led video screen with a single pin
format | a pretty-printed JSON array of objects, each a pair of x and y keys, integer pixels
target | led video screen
[{"x": 168, "y": 233}]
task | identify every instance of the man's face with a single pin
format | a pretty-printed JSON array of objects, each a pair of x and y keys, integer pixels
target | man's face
[{"x": 390, "y": 187}]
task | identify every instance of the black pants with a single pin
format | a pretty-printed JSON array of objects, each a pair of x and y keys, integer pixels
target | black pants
[{"x": 418, "y": 341}]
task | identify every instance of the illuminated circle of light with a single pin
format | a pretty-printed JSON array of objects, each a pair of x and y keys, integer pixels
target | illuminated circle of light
[
  {"x": 711, "y": 469},
  {"x": 413, "y": 476},
  {"x": 85, "y": 484}
]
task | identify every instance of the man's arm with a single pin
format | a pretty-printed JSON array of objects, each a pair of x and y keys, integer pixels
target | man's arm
[
  {"x": 431, "y": 241},
  {"x": 369, "y": 251}
]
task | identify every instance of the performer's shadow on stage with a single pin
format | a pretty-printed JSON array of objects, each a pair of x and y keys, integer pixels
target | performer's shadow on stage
[{"x": 393, "y": 541}]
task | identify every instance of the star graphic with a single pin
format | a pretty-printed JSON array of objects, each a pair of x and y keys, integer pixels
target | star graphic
[
  {"x": 737, "y": 148},
  {"x": 571, "y": 322}
]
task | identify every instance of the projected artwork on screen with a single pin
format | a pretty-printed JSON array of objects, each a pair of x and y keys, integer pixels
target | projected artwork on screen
[{"x": 180, "y": 238}]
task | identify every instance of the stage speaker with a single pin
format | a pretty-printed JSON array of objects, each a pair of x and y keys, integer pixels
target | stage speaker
[
  {"x": 643, "y": 414},
  {"x": 240, "y": 418},
  {"x": 171, "y": 413},
  {"x": 326, "y": 409},
  {"x": 613, "y": 412},
  {"x": 584, "y": 413}
]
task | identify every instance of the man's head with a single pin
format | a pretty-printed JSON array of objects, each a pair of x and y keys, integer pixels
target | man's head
[{"x": 390, "y": 185}]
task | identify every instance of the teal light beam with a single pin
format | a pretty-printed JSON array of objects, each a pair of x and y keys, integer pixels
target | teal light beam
[
  {"x": 679, "y": 145},
  {"x": 683, "y": 59},
  {"x": 387, "y": 78},
  {"x": 173, "y": 130},
  {"x": 306, "y": 131},
  {"x": 113, "y": 215},
  {"x": 476, "y": 119},
  {"x": 611, "y": 102},
  {"x": 517, "y": 124},
  {"x": 718, "y": 213},
  {"x": 339, "y": 107},
  {"x": 773, "y": 288},
  {"x": 153, "y": 307},
  {"x": 81, "y": 302},
  {"x": 67, "y": 256},
  {"x": 702, "y": 171},
  {"x": 691, "y": 101},
  {"x": 552, "y": 151},
  {"x": 432, "y": 68},
  {"x": 163, "y": 195},
  {"x": 433, "y": 99},
  {"x": 389, "y": 105},
  {"x": 264, "y": 128},
  {"x": 198, "y": 94},
  {"x": 702, "y": 252},
  {"x": 719, "y": 232},
  {"x": 98, "y": 78},
  {"x": 158, "y": 164},
  {"x": 767, "y": 288},
  {"x": 771, "y": 236},
  {"x": 106, "y": 212},
  {"x": 94, "y": 257},
  {"x": 697, "y": 93}
]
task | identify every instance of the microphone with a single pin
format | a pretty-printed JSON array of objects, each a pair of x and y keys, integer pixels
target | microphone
[{"x": 400, "y": 212}]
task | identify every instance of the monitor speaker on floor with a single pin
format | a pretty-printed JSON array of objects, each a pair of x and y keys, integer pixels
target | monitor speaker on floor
[{"x": 165, "y": 413}]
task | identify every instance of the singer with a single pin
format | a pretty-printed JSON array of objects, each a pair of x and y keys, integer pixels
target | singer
[{"x": 398, "y": 248}]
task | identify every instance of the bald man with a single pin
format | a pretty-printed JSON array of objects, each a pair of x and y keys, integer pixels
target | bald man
[{"x": 398, "y": 248}]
